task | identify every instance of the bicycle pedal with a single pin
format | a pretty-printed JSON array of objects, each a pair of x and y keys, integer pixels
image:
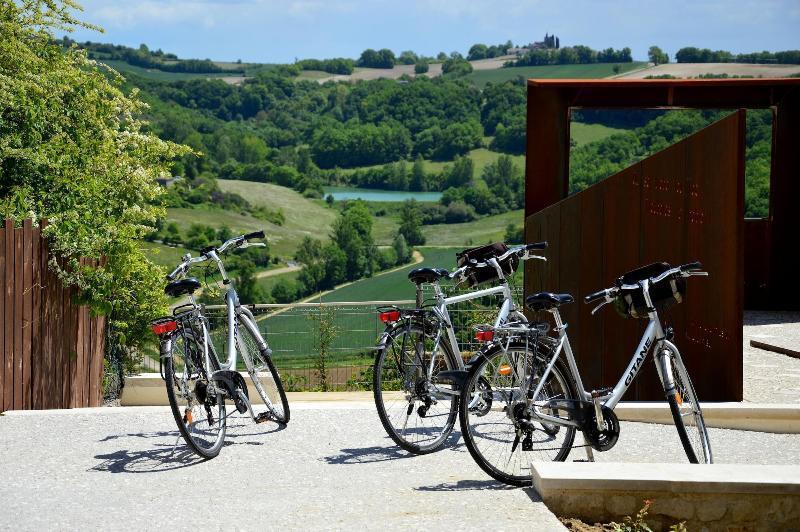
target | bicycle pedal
[{"x": 263, "y": 417}]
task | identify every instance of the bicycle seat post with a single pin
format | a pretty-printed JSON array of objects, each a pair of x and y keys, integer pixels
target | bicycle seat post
[{"x": 419, "y": 295}]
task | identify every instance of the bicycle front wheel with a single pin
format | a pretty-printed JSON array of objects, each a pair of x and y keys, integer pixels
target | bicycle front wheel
[
  {"x": 200, "y": 415},
  {"x": 416, "y": 409},
  {"x": 686, "y": 413},
  {"x": 261, "y": 369},
  {"x": 504, "y": 440}
]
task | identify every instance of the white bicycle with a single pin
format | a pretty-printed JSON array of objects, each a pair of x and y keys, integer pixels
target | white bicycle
[{"x": 197, "y": 382}]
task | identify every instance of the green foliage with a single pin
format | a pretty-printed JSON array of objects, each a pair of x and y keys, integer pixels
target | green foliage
[
  {"x": 323, "y": 342},
  {"x": 572, "y": 55},
  {"x": 421, "y": 67},
  {"x": 456, "y": 66},
  {"x": 337, "y": 65},
  {"x": 690, "y": 54},
  {"x": 411, "y": 224},
  {"x": 145, "y": 58},
  {"x": 657, "y": 56},
  {"x": 356, "y": 144},
  {"x": 370, "y": 58},
  {"x": 515, "y": 234},
  {"x": 74, "y": 150}
]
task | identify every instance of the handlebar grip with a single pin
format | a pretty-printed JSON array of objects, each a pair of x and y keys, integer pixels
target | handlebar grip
[
  {"x": 595, "y": 296},
  {"x": 692, "y": 266},
  {"x": 254, "y": 234},
  {"x": 536, "y": 245}
]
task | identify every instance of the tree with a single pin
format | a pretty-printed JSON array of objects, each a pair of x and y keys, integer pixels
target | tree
[
  {"x": 246, "y": 283},
  {"x": 401, "y": 250},
  {"x": 657, "y": 56},
  {"x": 418, "y": 181},
  {"x": 74, "y": 150},
  {"x": 514, "y": 234},
  {"x": 411, "y": 223},
  {"x": 421, "y": 67},
  {"x": 407, "y": 57},
  {"x": 477, "y": 51}
]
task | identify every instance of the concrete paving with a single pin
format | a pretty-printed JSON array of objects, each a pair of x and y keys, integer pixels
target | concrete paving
[
  {"x": 771, "y": 377},
  {"x": 331, "y": 468}
]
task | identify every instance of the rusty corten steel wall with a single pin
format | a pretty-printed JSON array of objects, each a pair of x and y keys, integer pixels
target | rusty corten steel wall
[
  {"x": 771, "y": 251},
  {"x": 682, "y": 204}
]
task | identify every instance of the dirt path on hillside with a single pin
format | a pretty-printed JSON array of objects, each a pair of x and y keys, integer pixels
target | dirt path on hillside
[{"x": 277, "y": 271}]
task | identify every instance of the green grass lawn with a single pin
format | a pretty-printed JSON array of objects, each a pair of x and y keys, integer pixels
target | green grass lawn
[
  {"x": 481, "y": 231},
  {"x": 586, "y": 133},
  {"x": 594, "y": 70}
]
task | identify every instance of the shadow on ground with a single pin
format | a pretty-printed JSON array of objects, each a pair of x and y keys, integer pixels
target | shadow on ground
[
  {"x": 173, "y": 453},
  {"x": 366, "y": 455}
]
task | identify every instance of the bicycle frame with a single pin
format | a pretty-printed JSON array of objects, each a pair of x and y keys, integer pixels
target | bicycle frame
[{"x": 653, "y": 339}]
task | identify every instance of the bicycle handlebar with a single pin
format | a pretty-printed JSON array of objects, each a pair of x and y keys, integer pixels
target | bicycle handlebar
[
  {"x": 608, "y": 294},
  {"x": 209, "y": 253},
  {"x": 521, "y": 251}
]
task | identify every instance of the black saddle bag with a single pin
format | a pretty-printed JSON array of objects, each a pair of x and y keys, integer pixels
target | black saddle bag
[{"x": 484, "y": 274}]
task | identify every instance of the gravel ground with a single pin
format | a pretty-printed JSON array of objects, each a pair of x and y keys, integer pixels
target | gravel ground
[
  {"x": 330, "y": 468},
  {"x": 771, "y": 377}
]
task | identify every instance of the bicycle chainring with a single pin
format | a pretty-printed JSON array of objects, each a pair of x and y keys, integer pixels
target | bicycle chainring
[{"x": 605, "y": 439}]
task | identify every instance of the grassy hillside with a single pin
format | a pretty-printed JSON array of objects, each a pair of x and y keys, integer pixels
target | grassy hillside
[
  {"x": 159, "y": 75},
  {"x": 586, "y": 133},
  {"x": 481, "y": 231},
  {"x": 594, "y": 70},
  {"x": 304, "y": 217}
]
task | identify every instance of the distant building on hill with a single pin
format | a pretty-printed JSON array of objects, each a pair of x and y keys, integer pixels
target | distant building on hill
[{"x": 549, "y": 42}]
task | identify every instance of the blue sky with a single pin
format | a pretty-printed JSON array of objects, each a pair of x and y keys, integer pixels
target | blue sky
[{"x": 280, "y": 31}]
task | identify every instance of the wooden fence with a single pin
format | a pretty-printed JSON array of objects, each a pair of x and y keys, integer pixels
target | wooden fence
[{"x": 51, "y": 350}]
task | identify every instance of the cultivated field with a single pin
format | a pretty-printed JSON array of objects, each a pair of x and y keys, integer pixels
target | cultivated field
[
  {"x": 692, "y": 70},
  {"x": 594, "y": 70},
  {"x": 585, "y": 133}
]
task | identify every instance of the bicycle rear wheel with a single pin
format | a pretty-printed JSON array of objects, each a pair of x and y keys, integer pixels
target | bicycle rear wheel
[
  {"x": 686, "y": 413},
  {"x": 200, "y": 416},
  {"x": 417, "y": 411},
  {"x": 261, "y": 369},
  {"x": 506, "y": 439}
]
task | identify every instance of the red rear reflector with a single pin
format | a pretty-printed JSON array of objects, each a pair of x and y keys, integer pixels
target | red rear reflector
[
  {"x": 164, "y": 327},
  {"x": 392, "y": 315},
  {"x": 484, "y": 336}
]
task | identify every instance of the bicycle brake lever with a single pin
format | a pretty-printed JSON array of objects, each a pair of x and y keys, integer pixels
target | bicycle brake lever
[
  {"x": 598, "y": 307},
  {"x": 253, "y": 245}
]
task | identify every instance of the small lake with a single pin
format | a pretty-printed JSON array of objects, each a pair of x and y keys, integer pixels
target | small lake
[{"x": 370, "y": 194}]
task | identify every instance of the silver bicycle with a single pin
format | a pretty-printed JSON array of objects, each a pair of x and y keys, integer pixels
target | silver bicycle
[
  {"x": 198, "y": 383},
  {"x": 419, "y": 366},
  {"x": 537, "y": 395}
]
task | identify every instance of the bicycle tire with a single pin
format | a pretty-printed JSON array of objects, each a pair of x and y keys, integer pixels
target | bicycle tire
[
  {"x": 698, "y": 450},
  {"x": 193, "y": 439},
  {"x": 381, "y": 359},
  {"x": 274, "y": 399},
  {"x": 486, "y": 422}
]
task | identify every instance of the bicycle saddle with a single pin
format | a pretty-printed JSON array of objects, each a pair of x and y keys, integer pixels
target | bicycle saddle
[
  {"x": 182, "y": 286},
  {"x": 547, "y": 300},
  {"x": 426, "y": 275}
]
